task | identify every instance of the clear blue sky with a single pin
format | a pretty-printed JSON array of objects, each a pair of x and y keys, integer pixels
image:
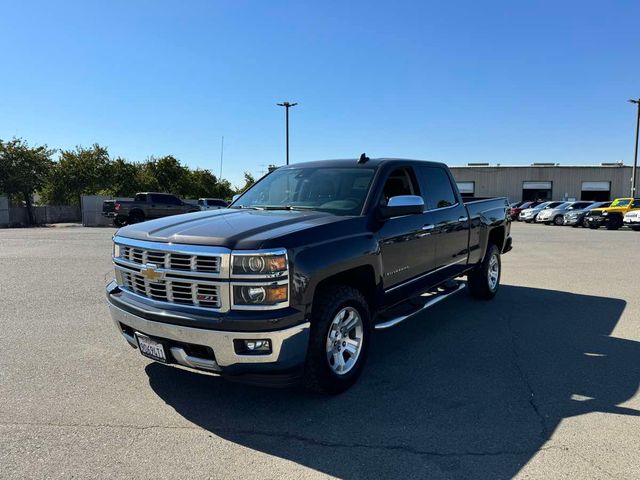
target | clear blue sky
[{"x": 507, "y": 82}]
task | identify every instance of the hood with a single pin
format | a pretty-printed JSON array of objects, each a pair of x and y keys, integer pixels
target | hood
[
  {"x": 230, "y": 228},
  {"x": 610, "y": 209}
]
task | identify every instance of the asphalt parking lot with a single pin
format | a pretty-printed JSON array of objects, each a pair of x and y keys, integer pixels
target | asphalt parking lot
[{"x": 542, "y": 382}]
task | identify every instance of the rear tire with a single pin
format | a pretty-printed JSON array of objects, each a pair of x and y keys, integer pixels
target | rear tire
[
  {"x": 484, "y": 280},
  {"x": 119, "y": 221},
  {"x": 635, "y": 229},
  {"x": 136, "y": 217},
  {"x": 335, "y": 308}
]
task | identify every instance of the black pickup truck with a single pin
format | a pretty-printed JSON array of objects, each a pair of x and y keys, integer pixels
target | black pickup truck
[
  {"x": 288, "y": 283},
  {"x": 145, "y": 206}
]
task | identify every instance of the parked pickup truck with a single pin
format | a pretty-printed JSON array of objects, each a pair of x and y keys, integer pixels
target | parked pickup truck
[
  {"x": 612, "y": 216},
  {"x": 145, "y": 206},
  {"x": 288, "y": 283}
]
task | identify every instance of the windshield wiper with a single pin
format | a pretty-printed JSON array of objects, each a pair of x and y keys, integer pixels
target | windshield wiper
[
  {"x": 239, "y": 207},
  {"x": 287, "y": 207}
]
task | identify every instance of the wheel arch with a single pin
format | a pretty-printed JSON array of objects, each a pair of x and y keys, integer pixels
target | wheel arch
[{"x": 362, "y": 278}]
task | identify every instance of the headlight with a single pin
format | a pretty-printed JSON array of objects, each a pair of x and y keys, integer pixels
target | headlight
[
  {"x": 605, "y": 213},
  {"x": 259, "y": 264},
  {"x": 257, "y": 295}
]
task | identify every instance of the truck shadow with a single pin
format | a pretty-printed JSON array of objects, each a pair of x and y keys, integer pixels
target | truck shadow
[{"x": 468, "y": 390}]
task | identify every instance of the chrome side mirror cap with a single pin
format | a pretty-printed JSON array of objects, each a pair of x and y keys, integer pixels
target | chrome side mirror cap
[{"x": 402, "y": 205}]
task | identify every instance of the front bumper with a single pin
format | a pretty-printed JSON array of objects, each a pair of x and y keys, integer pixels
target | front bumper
[
  {"x": 598, "y": 221},
  {"x": 572, "y": 220},
  {"x": 215, "y": 351}
]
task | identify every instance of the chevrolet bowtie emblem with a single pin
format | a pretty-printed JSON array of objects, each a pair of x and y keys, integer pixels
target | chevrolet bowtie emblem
[{"x": 149, "y": 272}]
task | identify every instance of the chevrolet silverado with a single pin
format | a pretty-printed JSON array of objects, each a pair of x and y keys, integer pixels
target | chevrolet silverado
[{"x": 288, "y": 283}]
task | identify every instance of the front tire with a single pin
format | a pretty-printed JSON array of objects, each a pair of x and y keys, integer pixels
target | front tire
[
  {"x": 559, "y": 220},
  {"x": 484, "y": 280},
  {"x": 339, "y": 340},
  {"x": 614, "y": 223}
]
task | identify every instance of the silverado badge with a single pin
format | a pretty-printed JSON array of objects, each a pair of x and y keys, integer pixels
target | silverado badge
[{"x": 149, "y": 272}]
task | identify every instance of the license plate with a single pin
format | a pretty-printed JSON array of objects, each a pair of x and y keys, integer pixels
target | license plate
[{"x": 150, "y": 348}]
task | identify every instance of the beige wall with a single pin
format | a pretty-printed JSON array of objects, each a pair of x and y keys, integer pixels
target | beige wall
[{"x": 507, "y": 181}]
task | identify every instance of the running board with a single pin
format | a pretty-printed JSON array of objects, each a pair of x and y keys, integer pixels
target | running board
[{"x": 437, "y": 298}]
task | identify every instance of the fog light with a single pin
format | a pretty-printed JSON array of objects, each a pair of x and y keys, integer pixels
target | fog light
[
  {"x": 258, "y": 345},
  {"x": 253, "y": 347}
]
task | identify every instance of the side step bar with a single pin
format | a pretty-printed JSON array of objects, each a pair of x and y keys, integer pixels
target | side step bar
[{"x": 437, "y": 298}]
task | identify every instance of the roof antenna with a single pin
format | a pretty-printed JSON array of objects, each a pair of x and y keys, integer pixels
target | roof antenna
[{"x": 363, "y": 159}]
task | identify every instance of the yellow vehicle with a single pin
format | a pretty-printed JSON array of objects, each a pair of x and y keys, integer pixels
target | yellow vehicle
[{"x": 611, "y": 217}]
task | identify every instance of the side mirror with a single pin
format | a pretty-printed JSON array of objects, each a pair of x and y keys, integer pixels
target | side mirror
[
  {"x": 402, "y": 205},
  {"x": 235, "y": 197}
]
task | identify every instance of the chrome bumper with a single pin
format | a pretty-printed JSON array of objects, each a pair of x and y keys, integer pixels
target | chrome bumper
[{"x": 288, "y": 345}]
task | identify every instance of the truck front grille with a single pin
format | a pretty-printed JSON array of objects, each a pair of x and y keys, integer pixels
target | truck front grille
[
  {"x": 174, "y": 261},
  {"x": 174, "y": 291},
  {"x": 189, "y": 275}
]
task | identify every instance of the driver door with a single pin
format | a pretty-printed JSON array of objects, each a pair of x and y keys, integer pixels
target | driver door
[{"x": 406, "y": 244}]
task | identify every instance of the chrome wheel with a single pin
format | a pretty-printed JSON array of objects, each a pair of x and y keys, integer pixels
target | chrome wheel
[
  {"x": 494, "y": 272},
  {"x": 344, "y": 340}
]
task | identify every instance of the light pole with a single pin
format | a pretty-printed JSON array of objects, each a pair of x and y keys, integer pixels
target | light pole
[
  {"x": 635, "y": 155},
  {"x": 287, "y": 106}
]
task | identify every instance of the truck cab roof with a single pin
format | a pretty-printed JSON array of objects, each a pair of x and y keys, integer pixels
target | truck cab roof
[{"x": 354, "y": 162}]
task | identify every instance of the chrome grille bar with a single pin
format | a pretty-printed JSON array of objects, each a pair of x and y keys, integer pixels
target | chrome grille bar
[{"x": 188, "y": 275}]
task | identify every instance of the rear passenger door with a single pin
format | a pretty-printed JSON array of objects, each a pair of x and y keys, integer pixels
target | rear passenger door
[{"x": 450, "y": 223}]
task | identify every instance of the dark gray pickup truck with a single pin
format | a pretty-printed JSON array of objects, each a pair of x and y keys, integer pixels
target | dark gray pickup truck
[
  {"x": 288, "y": 283},
  {"x": 145, "y": 206}
]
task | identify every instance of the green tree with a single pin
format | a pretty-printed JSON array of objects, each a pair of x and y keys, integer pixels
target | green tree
[
  {"x": 23, "y": 170},
  {"x": 124, "y": 178},
  {"x": 166, "y": 174},
  {"x": 249, "y": 180},
  {"x": 82, "y": 171}
]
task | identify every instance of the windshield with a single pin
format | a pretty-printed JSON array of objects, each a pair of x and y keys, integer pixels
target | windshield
[
  {"x": 542, "y": 205},
  {"x": 525, "y": 205},
  {"x": 563, "y": 206},
  {"x": 621, "y": 202},
  {"x": 338, "y": 190}
]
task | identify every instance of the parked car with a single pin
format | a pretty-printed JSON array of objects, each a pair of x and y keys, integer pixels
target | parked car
[
  {"x": 512, "y": 206},
  {"x": 212, "y": 203},
  {"x": 555, "y": 215},
  {"x": 145, "y": 206},
  {"x": 515, "y": 211},
  {"x": 529, "y": 215},
  {"x": 575, "y": 217},
  {"x": 287, "y": 285},
  {"x": 612, "y": 216},
  {"x": 632, "y": 220}
]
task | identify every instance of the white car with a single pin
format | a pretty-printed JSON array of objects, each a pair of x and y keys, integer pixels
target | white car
[
  {"x": 632, "y": 220},
  {"x": 211, "y": 203}
]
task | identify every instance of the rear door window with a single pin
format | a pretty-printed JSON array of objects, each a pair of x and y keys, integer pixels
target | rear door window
[{"x": 436, "y": 187}]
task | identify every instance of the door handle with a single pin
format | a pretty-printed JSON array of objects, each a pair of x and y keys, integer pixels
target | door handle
[
  {"x": 427, "y": 227},
  {"x": 463, "y": 219}
]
